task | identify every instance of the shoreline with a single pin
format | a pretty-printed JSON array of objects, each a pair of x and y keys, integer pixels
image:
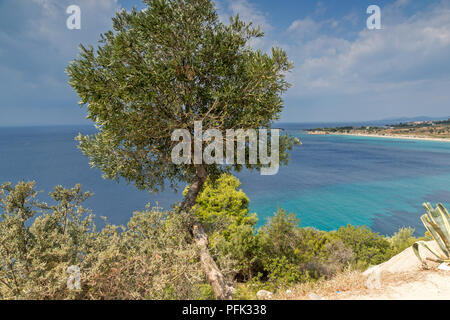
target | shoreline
[{"x": 384, "y": 136}]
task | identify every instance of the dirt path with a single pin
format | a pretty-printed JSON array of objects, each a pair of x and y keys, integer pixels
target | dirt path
[
  {"x": 403, "y": 278},
  {"x": 400, "y": 278},
  {"x": 422, "y": 285}
]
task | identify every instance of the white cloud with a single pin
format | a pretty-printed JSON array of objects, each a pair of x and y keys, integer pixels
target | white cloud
[
  {"x": 408, "y": 58},
  {"x": 335, "y": 74},
  {"x": 342, "y": 73},
  {"x": 303, "y": 27},
  {"x": 248, "y": 12},
  {"x": 39, "y": 48}
]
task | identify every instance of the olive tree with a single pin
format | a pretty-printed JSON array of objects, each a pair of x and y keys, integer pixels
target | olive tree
[{"x": 162, "y": 69}]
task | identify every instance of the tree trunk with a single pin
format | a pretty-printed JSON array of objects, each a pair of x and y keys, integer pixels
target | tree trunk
[
  {"x": 194, "y": 189},
  {"x": 212, "y": 271}
]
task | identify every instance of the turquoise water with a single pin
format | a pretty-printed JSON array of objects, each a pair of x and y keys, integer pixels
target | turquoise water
[
  {"x": 337, "y": 180},
  {"x": 331, "y": 180},
  {"x": 376, "y": 204}
]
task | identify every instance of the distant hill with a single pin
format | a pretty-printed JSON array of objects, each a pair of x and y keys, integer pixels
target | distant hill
[
  {"x": 381, "y": 122},
  {"x": 412, "y": 119}
]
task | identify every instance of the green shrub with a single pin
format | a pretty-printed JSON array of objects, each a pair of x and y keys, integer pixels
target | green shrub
[
  {"x": 243, "y": 247},
  {"x": 282, "y": 271},
  {"x": 368, "y": 247},
  {"x": 280, "y": 236},
  {"x": 321, "y": 255},
  {"x": 402, "y": 239},
  {"x": 245, "y": 291},
  {"x": 205, "y": 292},
  {"x": 221, "y": 206},
  {"x": 292, "y": 254},
  {"x": 34, "y": 257},
  {"x": 151, "y": 258}
]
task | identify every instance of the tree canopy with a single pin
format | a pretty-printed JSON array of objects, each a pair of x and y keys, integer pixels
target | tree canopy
[{"x": 163, "y": 68}]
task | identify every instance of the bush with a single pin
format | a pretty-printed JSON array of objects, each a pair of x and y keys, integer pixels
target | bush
[
  {"x": 322, "y": 255},
  {"x": 292, "y": 254},
  {"x": 280, "y": 236},
  {"x": 221, "y": 206},
  {"x": 153, "y": 256},
  {"x": 223, "y": 210},
  {"x": 282, "y": 271},
  {"x": 150, "y": 259},
  {"x": 402, "y": 239},
  {"x": 243, "y": 248},
  {"x": 368, "y": 247},
  {"x": 34, "y": 258}
]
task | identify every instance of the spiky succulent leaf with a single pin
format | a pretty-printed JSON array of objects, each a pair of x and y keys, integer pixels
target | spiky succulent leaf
[{"x": 437, "y": 222}]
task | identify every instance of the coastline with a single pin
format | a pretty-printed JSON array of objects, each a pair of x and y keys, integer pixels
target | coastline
[{"x": 385, "y": 136}]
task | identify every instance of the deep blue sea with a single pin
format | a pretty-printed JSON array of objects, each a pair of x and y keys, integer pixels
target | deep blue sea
[{"x": 331, "y": 181}]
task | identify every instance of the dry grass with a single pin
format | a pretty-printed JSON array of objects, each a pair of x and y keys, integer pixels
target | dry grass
[
  {"x": 348, "y": 285},
  {"x": 329, "y": 289}
]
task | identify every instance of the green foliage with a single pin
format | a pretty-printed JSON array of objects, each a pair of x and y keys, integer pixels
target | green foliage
[
  {"x": 369, "y": 248},
  {"x": 311, "y": 245},
  {"x": 151, "y": 258},
  {"x": 320, "y": 255},
  {"x": 34, "y": 259},
  {"x": 205, "y": 292},
  {"x": 403, "y": 239},
  {"x": 437, "y": 222},
  {"x": 221, "y": 206},
  {"x": 163, "y": 68},
  {"x": 223, "y": 209},
  {"x": 278, "y": 240},
  {"x": 280, "y": 236},
  {"x": 244, "y": 291},
  {"x": 242, "y": 246},
  {"x": 290, "y": 253},
  {"x": 282, "y": 271}
]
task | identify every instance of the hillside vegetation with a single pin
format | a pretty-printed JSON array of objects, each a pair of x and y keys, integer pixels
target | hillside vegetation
[
  {"x": 423, "y": 129},
  {"x": 154, "y": 257}
]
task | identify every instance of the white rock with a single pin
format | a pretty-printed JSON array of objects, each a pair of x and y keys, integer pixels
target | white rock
[
  {"x": 264, "y": 294},
  {"x": 444, "y": 267},
  {"x": 314, "y": 296},
  {"x": 370, "y": 270}
]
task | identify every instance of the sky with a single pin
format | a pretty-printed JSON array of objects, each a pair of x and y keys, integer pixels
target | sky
[{"x": 343, "y": 71}]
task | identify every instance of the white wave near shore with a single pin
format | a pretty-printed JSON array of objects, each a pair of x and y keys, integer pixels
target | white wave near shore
[{"x": 404, "y": 137}]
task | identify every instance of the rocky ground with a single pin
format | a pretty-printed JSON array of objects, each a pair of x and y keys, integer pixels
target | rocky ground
[{"x": 400, "y": 278}]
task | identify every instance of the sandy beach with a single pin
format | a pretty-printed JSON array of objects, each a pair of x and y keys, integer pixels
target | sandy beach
[{"x": 386, "y": 136}]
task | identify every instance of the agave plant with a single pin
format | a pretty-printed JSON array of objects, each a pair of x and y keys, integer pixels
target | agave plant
[{"x": 437, "y": 222}]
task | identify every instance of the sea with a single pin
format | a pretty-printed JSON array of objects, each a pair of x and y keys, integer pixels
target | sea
[{"x": 330, "y": 181}]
